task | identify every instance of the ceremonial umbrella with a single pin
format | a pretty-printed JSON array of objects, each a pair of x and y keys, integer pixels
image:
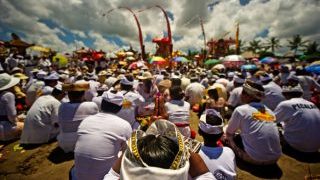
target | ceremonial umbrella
[
  {"x": 268, "y": 60},
  {"x": 40, "y": 49},
  {"x": 249, "y": 67},
  {"x": 212, "y": 62},
  {"x": 181, "y": 59},
  {"x": 61, "y": 60},
  {"x": 233, "y": 61},
  {"x": 313, "y": 69},
  {"x": 157, "y": 60},
  {"x": 315, "y": 63}
]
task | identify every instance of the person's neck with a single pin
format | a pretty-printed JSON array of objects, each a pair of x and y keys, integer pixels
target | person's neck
[
  {"x": 76, "y": 101},
  {"x": 210, "y": 143}
]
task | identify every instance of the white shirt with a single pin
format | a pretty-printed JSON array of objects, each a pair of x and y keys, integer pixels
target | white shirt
[
  {"x": 39, "y": 123},
  {"x": 220, "y": 161},
  {"x": 70, "y": 116},
  {"x": 100, "y": 138},
  {"x": 178, "y": 111},
  {"x": 301, "y": 123},
  {"x": 260, "y": 138},
  {"x": 235, "y": 97},
  {"x": 308, "y": 83},
  {"x": 32, "y": 91},
  {"x": 129, "y": 107},
  {"x": 273, "y": 95},
  {"x": 9, "y": 112}
]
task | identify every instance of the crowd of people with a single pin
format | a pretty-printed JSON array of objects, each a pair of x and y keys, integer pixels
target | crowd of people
[{"x": 125, "y": 123}]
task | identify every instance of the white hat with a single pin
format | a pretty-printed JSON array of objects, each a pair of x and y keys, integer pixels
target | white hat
[
  {"x": 52, "y": 76},
  {"x": 110, "y": 81},
  {"x": 208, "y": 128},
  {"x": 58, "y": 86},
  {"x": 265, "y": 77},
  {"x": 125, "y": 81},
  {"x": 238, "y": 79},
  {"x": 41, "y": 74},
  {"x": 114, "y": 98},
  {"x": 7, "y": 81}
]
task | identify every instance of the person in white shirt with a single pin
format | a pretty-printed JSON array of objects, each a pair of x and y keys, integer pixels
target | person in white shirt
[
  {"x": 132, "y": 101},
  {"x": 41, "y": 123},
  {"x": 147, "y": 89},
  {"x": 220, "y": 160},
  {"x": 100, "y": 138},
  {"x": 72, "y": 113},
  {"x": 234, "y": 99},
  {"x": 259, "y": 141},
  {"x": 50, "y": 82},
  {"x": 178, "y": 111},
  {"x": 307, "y": 83},
  {"x": 300, "y": 120},
  {"x": 273, "y": 92},
  {"x": 10, "y": 127},
  {"x": 194, "y": 92}
]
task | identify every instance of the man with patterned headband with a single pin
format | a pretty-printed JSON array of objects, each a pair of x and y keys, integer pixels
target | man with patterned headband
[
  {"x": 219, "y": 160},
  {"x": 158, "y": 154},
  {"x": 258, "y": 142},
  {"x": 100, "y": 138}
]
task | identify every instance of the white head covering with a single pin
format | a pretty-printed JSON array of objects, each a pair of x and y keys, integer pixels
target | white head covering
[
  {"x": 297, "y": 88},
  {"x": 133, "y": 167},
  {"x": 114, "y": 98},
  {"x": 125, "y": 81},
  {"x": 208, "y": 128}
]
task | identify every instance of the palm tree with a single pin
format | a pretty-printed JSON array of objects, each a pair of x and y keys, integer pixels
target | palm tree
[
  {"x": 254, "y": 46},
  {"x": 273, "y": 43},
  {"x": 312, "y": 47},
  {"x": 296, "y": 42}
]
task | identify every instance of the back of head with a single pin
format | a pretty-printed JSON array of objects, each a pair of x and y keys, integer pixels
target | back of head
[
  {"x": 157, "y": 151},
  {"x": 176, "y": 93}
]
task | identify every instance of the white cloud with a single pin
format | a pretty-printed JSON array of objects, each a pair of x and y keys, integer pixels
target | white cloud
[{"x": 88, "y": 19}]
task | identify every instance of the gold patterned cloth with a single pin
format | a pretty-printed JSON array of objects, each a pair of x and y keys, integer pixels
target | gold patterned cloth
[{"x": 133, "y": 167}]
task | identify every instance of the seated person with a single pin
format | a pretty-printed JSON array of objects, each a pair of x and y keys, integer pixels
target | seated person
[
  {"x": 72, "y": 113},
  {"x": 159, "y": 154},
  {"x": 300, "y": 119},
  {"x": 41, "y": 123},
  {"x": 178, "y": 111},
  {"x": 219, "y": 160},
  {"x": 10, "y": 127},
  {"x": 259, "y": 141}
]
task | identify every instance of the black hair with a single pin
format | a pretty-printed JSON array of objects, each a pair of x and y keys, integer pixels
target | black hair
[
  {"x": 110, "y": 107},
  {"x": 75, "y": 95},
  {"x": 214, "y": 121},
  {"x": 176, "y": 82},
  {"x": 148, "y": 84},
  {"x": 290, "y": 95},
  {"x": 213, "y": 93},
  {"x": 176, "y": 93},
  {"x": 56, "y": 92},
  {"x": 157, "y": 151}
]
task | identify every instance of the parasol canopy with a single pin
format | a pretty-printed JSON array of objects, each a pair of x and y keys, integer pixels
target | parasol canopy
[
  {"x": 268, "y": 60},
  {"x": 130, "y": 58},
  {"x": 233, "y": 61},
  {"x": 157, "y": 60},
  {"x": 40, "y": 49},
  {"x": 181, "y": 59},
  {"x": 60, "y": 59},
  {"x": 249, "y": 67},
  {"x": 313, "y": 69},
  {"x": 315, "y": 63},
  {"x": 212, "y": 62},
  {"x": 219, "y": 67}
]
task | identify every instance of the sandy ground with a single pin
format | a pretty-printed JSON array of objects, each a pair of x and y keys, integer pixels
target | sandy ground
[{"x": 49, "y": 162}]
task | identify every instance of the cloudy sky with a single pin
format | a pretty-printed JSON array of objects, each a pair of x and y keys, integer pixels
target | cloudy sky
[{"x": 65, "y": 25}]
